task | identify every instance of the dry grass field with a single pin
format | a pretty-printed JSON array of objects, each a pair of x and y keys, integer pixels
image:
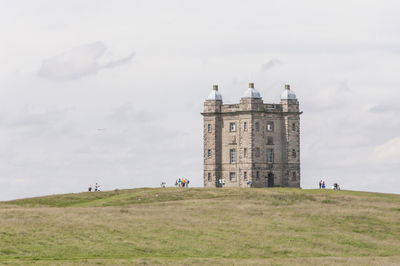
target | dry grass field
[{"x": 202, "y": 226}]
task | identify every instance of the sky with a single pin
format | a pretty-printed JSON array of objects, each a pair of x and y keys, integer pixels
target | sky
[{"x": 111, "y": 91}]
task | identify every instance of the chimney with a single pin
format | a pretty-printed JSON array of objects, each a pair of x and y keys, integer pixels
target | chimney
[
  {"x": 287, "y": 87},
  {"x": 215, "y": 87},
  {"x": 251, "y": 85}
]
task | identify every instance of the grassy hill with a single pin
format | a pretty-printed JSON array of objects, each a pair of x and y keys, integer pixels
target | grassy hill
[{"x": 203, "y": 226}]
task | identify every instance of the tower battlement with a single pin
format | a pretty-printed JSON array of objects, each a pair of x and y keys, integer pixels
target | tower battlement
[{"x": 251, "y": 143}]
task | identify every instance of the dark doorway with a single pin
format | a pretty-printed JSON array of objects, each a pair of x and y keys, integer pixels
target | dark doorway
[{"x": 270, "y": 179}]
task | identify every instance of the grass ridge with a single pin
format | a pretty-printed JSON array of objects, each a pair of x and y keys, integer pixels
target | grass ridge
[{"x": 202, "y": 225}]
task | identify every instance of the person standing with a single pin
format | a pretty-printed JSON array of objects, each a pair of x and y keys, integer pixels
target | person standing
[
  {"x": 320, "y": 184},
  {"x": 323, "y": 184}
]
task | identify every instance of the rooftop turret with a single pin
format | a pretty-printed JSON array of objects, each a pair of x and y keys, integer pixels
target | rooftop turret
[
  {"x": 287, "y": 94},
  {"x": 214, "y": 94},
  {"x": 251, "y": 92}
]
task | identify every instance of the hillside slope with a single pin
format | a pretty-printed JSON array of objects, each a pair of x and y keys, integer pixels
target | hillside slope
[{"x": 203, "y": 226}]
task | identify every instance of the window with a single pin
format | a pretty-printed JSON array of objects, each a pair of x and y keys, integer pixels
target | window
[
  {"x": 257, "y": 126},
  {"x": 232, "y": 176},
  {"x": 232, "y": 127},
  {"x": 270, "y": 156},
  {"x": 270, "y": 140},
  {"x": 232, "y": 156},
  {"x": 209, "y": 177},
  {"x": 245, "y": 175},
  {"x": 270, "y": 179},
  {"x": 270, "y": 126},
  {"x": 294, "y": 176},
  {"x": 294, "y": 153},
  {"x": 245, "y": 152},
  {"x": 209, "y": 128},
  {"x": 257, "y": 152},
  {"x": 245, "y": 126},
  {"x": 209, "y": 153},
  {"x": 257, "y": 175},
  {"x": 293, "y": 126}
]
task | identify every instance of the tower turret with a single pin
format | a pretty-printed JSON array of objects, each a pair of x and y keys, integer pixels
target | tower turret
[
  {"x": 251, "y": 99},
  {"x": 291, "y": 115},
  {"x": 212, "y": 127},
  {"x": 288, "y": 100},
  {"x": 214, "y": 101}
]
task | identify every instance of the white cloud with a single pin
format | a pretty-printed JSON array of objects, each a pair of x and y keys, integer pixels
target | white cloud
[
  {"x": 80, "y": 62},
  {"x": 270, "y": 64},
  {"x": 49, "y": 140},
  {"x": 388, "y": 152},
  {"x": 386, "y": 107}
]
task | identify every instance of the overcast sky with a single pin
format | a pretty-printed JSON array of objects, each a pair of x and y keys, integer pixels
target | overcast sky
[{"x": 111, "y": 91}]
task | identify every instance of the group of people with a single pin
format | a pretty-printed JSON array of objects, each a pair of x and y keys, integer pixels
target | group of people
[
  {"x": 96, "y": 187},
  {"x": 182, "y": 182},
  {"x": 334, "y": 187}
]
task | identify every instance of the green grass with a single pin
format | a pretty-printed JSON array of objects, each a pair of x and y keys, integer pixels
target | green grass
[{"x": 277, "y": 226}]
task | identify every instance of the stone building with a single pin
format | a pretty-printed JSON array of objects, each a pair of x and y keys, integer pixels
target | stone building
[{"x": 252, "y": 143}]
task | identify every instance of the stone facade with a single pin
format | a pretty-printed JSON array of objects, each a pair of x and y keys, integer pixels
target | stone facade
[{"x": 252, "y": 143}]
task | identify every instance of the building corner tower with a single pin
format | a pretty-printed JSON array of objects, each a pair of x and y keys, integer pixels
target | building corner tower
[
  {"x": 212, "y": 138},
  {"x": 291, "y": 121}
]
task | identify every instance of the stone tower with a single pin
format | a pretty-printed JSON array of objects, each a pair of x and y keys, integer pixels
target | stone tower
[{"x": 251, "y": 143}]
